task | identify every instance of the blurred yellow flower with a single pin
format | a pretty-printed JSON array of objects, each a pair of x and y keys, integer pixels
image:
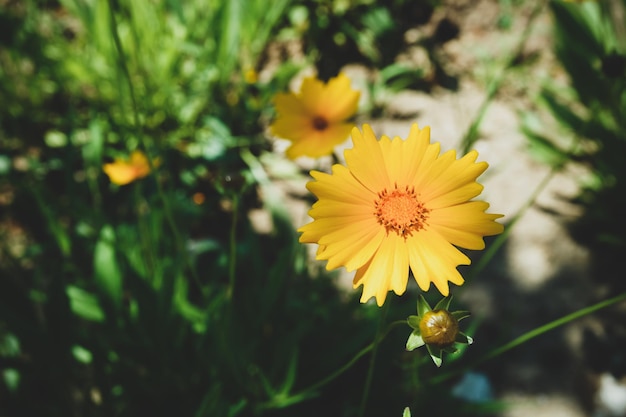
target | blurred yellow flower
[
  {"x": 398, "y": 204},
  {"x": 250, "y": 76},
  {"x": 315, "y": 119},
  {"x": 124, "y": 171}
]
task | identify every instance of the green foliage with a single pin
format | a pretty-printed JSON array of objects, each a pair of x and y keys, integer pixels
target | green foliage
[
  {"x": 340, "y": 32},
  {"x": 589, "y": 113},
  {"x": 162, "y": 297}
]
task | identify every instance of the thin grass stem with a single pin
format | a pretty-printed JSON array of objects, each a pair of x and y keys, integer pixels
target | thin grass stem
[
  {"x": 471, "y": 136},
  {"x": 370, "y": 371}
]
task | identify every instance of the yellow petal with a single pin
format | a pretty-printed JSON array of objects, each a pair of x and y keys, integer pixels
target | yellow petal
[
  {"x": 365, "y": 160},
  {"x": 340, "y": 186},
  {"x": 403, "y": 157},
  {"x": 433, "y": 259},
  {"x": 454, "y": 175},
  {"x": 316, "y": 143},
  {"x": 452, "y": 197},
  {"x": 123, "y": 172},
  {"x": 339, "y": 102},
  {"x": 388, "y": 270},
  {"x": 424, "y": 172},
  {"x": 120, "y": 173},
  {"x": 311, "y": 92},
  {"x": 293, "y": 127},
  {"x": 358, "y": 246},
  {"x": 289, "y": 105},
  {"x": 374, "y": 278},
  {"x": 465, "y": 225}
]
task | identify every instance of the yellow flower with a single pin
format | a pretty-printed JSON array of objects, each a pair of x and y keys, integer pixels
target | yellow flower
[
  {"x": 398, "y": 204},
  {"x": 251, "y": 76},
  {"x": 122, "y": 171},
  {"x": 315, "y": 119}
]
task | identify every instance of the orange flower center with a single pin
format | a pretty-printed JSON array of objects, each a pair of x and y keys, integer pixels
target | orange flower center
[
  {"x": 400, "y": 211},
  {"x": 320, "y": 123}
]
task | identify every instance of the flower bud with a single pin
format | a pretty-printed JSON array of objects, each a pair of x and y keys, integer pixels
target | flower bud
[{"x": 439, "y": 328}]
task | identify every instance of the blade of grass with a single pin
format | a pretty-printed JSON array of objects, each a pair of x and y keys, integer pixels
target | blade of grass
[{"x": 471, "y": 136}]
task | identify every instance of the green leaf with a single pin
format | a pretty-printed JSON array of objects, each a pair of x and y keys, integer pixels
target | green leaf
[
  {"x": 55, "y": 227},
  {"x": 463, "y": 338},
  {"x": 81, "y": 354},
  {"x": 407, "y": 412},
  {"x": 580, "y": 28},
  {"x": 422, "y": 306},
  {"x": 562, "y": 112},
  {"x": 55, "y": 139},
  {"x": 195, "y": 315},
  {"x": 84, "y": 304},
  {"x": 107, "y": 273},
  {"x": 435, "y": 355},
  {"x": 228, "y": 47},
  {"x": 460, "y": 315},
  {"x": 397, "y": 77},
  {"x": 290, "y": 376},
  {"x": 545, "y": 150},
  {"x": 414, "y": 322},
  {"x": 444, "y": 303},
  {"x": 92, "y": 150},
  {"x": 415, "y": 341},
  {"x": 11, "y": 378},
  {"x": 581, "y": 40}
]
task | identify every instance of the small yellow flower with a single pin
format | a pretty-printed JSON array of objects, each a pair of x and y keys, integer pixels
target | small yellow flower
[
  {"x": 251, "y": 76},
  {"x": 123, "y": 171},
  {"x": 315, "y": 119},
  {"x": 399, "y": 205}
]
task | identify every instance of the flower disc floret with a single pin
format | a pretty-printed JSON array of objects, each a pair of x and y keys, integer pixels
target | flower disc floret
[{"x": 400, "y": 211}]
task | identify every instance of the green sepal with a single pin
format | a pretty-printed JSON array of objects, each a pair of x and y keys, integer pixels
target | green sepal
[
  {"x": 463, "y": 338},
  {"x": 460, "y": 315},
  {"x": 415, "y": 340},
  {"x": 435, "y": 355},
  {"x": 414, "y": 322},
  {"x": 422, "y": 306},
  {"x": 444, "y": 303},
  {"x": 407, "y": 412}
]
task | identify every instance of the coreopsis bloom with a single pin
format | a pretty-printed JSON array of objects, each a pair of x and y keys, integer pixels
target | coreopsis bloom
[
  {"x": 124, "y": 171},
  {"x": 399, "y": 205},
  {"x": 315, "y": 120}
]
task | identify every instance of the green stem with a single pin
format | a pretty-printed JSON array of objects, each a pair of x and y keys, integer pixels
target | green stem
[
  {"x": 311, "y": 390},
  {"x": 531, "y": 335},
  {"x": 370, "y": 371},
  {"x": 136, "y": 121},
  {"x": 145, "y": 235},
  {"x": 232, "y": 262}
]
